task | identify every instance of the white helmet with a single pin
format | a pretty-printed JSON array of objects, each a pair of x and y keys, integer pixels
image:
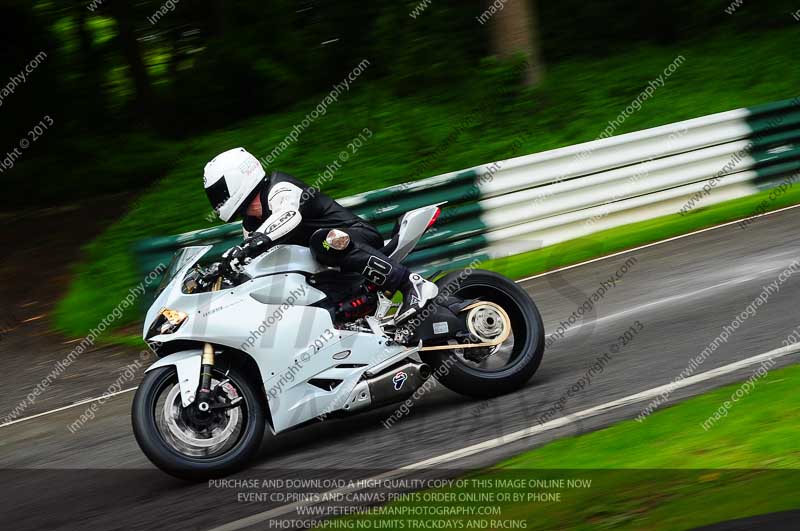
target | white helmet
[{"x": 229, "y": 180}]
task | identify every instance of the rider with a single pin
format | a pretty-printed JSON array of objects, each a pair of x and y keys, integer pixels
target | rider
[{"x": 278, "y": 208}]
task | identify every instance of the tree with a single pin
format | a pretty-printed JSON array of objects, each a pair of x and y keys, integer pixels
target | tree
[
  {"x": 219, "y": 14},
  {"x": 129, "y": 45},
  {"x": 91, "y": 66},
  {"x": 515, "y": 29}
]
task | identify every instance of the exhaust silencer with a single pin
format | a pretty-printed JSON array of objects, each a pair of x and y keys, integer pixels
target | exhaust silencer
[{"x": 397, "y": 384}]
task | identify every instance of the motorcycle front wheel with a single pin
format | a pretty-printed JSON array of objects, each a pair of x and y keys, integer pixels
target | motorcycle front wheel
[
  {"x": 491, "y": 371},
  {"x": 189, "y": 444}
]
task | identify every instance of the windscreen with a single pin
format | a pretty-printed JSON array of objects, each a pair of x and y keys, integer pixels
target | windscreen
[{"x": 187, "y": 256}]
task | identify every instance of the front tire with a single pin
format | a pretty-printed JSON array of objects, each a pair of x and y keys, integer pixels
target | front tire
[
  {"x": 482, "y": 380},
  {"x": 170, "y": 436}
]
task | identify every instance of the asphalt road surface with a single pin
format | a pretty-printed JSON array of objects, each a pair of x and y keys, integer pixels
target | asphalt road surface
[{"x": 678, "y": 295}]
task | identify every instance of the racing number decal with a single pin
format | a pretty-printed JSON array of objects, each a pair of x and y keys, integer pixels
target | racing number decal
[{"x": 377, "y": 270}]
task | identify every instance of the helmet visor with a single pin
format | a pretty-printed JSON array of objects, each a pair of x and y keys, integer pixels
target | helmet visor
[{"x": 218, "y": 194}]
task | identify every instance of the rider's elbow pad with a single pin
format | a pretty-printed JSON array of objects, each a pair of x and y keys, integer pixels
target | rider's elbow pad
[{"x": 280, "y": 224}]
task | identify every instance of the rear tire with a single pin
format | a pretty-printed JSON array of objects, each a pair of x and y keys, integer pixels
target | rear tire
[
  {"x": 149, "y": 430},
  {"x": 528, "y": 336}
]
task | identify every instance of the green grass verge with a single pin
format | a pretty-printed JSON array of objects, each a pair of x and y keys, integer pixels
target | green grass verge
[
  {"x": 573, "y": 105},
  {"x": 665, "y": 473}
]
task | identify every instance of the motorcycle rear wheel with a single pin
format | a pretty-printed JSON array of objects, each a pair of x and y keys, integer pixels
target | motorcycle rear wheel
[{"x": 507, "y": 367}]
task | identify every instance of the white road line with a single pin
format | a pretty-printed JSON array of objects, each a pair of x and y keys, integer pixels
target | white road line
[
  {"x": 652, "y": 304},
  {"x": 75, "y": 404},
  {"x": 653, "y": 244},
  {"x": 565, "y": 268},
  {"x": 518, "y": 435}
]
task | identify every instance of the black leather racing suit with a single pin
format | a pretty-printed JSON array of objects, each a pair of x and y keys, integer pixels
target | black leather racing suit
[{"x": 296, "y": 213}]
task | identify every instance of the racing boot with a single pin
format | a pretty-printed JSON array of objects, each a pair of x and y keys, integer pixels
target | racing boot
[{"x": 416, "y": 293}]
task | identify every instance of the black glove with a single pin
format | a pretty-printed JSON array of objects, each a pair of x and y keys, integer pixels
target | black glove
[
  {"x": 209, "y": 275},
  {"x": 235, "y": 258}
]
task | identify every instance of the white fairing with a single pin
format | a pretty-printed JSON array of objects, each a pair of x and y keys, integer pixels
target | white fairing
[
  {"x": 412, "y": 226},
  {"x": 269, "y": 318},
  {"x": 188, "y": 364},
  {"x": 284, "y": 258}
]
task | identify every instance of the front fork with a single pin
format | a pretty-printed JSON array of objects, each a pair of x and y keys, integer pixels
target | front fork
[
  {"x": 204, "y": 393},
  {"x": 207, "y": 364}
]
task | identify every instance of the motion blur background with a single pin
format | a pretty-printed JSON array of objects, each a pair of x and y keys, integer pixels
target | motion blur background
[
  {"x": 142, "y": 93},
  {"x": 111, "y": 108}
]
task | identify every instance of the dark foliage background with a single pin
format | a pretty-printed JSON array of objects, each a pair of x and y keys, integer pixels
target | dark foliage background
[{"x": 122, "y": 88}]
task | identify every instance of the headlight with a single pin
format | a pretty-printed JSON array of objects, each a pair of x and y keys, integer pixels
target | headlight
[{"x": 167, "y": 322}]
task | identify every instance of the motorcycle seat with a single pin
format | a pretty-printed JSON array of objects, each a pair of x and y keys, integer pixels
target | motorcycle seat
[{"x": 390, "y": 245}]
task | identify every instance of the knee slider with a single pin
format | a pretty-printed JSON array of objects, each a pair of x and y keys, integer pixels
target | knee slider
[{"x": 337, "y": 240}]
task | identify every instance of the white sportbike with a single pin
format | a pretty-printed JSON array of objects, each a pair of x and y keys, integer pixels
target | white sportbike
[{"x": 268, "y": 347}]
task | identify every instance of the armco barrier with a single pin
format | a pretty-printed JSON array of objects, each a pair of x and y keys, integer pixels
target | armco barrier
[{"x": 521, "y": 204}]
